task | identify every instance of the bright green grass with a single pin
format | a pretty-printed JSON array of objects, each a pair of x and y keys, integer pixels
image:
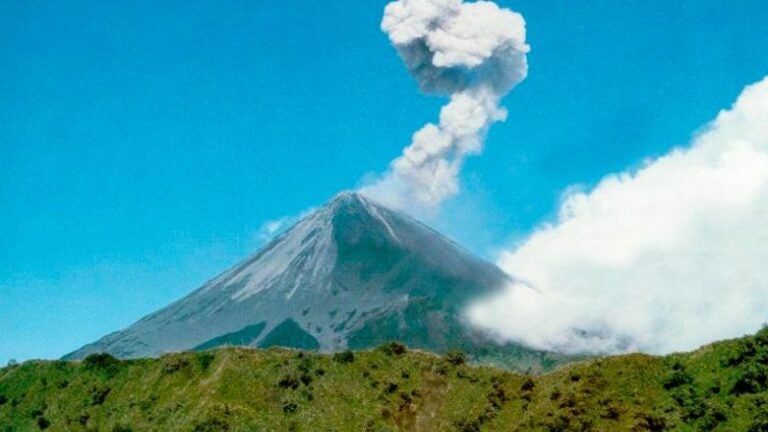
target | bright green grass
[{"x": 721, "y": 387}]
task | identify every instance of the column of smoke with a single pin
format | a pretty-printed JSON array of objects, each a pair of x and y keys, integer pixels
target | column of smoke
[{"x": 473, "y": 52}]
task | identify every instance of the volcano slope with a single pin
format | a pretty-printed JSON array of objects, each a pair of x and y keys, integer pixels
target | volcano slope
[{"x": 351, "y": 275}]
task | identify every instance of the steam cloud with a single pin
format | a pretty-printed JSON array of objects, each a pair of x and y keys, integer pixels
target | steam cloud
[
  {"x": 473, "y": 52},
  {"x": 663, "y": 259}
]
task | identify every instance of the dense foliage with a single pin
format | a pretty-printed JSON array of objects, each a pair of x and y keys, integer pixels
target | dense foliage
[{"x": 721, "y": 387}]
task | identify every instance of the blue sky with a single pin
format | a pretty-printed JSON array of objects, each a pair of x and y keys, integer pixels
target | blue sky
[{"x": 143, "y": 144}]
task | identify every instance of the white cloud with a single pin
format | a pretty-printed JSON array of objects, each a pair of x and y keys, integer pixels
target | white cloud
[
  {"x": 666, "y": 258},
  {"x": 271, "y": 229}
]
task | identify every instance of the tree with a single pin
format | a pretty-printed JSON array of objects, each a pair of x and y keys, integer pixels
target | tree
[{"x": 456, "y": 357}]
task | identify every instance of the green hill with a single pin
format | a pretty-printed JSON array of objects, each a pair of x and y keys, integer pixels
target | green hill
[{"x": 721, "y": 387}]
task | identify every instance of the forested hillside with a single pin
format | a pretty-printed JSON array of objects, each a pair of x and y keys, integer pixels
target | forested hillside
[{"x": 718, "y": 387}]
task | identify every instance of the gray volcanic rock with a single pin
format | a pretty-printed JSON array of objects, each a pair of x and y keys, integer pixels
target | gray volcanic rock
[{"x": 353, "y": 274}]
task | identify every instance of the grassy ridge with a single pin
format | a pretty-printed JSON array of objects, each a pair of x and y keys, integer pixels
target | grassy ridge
[{"x": 721, "y": 387}]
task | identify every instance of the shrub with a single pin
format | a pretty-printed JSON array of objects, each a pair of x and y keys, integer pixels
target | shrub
[
  {"x": 175, "y": 364},
  {"x": 440, "y": 369},
  {"x": 744, "y": 351},
  {"x": 693, "y": 406},
  {"x": 561, "y": 423},
  {"x": 677, "y": 378},
  {"x": 468, "y": 425},
  {"x": 761, "y": 338},
  {"x": 99, "y": 360},
  {"x": 288, "y": 381},
  {"x": 527, "y": 385},
  {"x": 612, "y": 412},
  {"x": 750, "y": 379},
  {"x": 308, "y": 395},
  {"x": 290, "y": 407},
  {"x": 715, "y": 415},
  {"x": 305, "y": 365},
  {"x": 393, "y": 348},
  {"x": 391, "y": 387},
  {"x": 205, "y": 359},
  {"x": 99, "y": 395},
  {"x": 759, "y": 423},
  {"x": 43, "y": 423},
  {"x": 651, "y": 422},
  {"x": 305, "y": 379},
  {"x": 455, "y": 357},
  {"x": 405, "y": 401},
  {"x": 497, "y": 397},
  {"x": 344, "y": 357},
  {"x": 103, "y": 363},
  {"x": 213, "y": 424}
]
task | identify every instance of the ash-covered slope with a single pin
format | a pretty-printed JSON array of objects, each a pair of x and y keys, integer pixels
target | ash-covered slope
[{"x": 353, "y": 274}]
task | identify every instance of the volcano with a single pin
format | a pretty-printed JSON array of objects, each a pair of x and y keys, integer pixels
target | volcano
[{"x": 351, "y": 275}]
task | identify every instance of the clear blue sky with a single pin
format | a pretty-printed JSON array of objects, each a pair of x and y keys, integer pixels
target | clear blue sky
[{"x": 143, "y": 143}]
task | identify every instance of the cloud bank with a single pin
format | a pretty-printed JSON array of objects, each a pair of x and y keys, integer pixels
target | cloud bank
[
  {"x": 663, "y": 259},
  {"x": 473, "y": 52}
]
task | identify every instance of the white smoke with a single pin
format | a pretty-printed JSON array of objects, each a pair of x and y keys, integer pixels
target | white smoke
[
  {"x": 473, "y": 52},
  {"x": 667, "y": 258}
]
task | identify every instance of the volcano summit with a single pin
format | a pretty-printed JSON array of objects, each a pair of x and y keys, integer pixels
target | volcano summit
[{"x": 353, "y": 274}]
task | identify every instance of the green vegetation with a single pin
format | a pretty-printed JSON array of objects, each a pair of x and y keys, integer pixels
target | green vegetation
[{"x": 721, "y": 387}]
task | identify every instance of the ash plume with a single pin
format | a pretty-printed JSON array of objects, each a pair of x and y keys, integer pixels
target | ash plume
[{"x": 473, "y": 52}]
